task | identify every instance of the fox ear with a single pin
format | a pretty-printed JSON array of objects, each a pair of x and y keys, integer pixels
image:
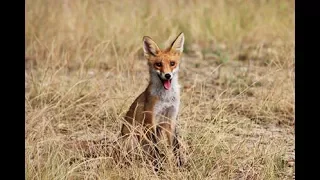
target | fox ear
[
  {"x": 177, "y": 44},
  {"x": 150, "y": 47}
]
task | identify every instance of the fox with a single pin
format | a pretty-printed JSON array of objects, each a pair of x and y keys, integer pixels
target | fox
[{"x": 156, "y": 109}]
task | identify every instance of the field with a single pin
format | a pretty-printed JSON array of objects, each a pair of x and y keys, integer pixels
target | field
[{"x": 84, "y": 66}]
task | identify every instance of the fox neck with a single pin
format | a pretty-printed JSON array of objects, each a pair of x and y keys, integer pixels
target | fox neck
[{"x": 157, "y": 88}]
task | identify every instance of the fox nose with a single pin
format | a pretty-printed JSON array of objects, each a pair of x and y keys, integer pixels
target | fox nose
[{"x": 168, "y": 76}]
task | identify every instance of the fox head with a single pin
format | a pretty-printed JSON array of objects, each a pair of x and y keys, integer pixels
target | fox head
[{"x": 164, "y": 63}]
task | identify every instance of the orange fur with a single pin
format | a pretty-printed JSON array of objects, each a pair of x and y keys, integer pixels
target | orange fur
[{"x": 152, "y": 103}]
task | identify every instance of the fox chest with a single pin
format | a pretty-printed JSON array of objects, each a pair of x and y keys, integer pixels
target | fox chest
[{"x": 166, "y": 109}]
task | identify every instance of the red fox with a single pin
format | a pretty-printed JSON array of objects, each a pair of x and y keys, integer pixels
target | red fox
[{"x": 156, "y": 109}]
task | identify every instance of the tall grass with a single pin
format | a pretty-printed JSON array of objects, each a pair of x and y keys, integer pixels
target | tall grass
[{"x": 84, "y": 67}]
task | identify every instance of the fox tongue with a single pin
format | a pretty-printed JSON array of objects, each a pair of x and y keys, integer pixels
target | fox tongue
[{"x": 167, "y": 84}]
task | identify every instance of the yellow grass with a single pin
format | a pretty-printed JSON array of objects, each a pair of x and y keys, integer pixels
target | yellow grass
[{"x": 84, "y": 67}]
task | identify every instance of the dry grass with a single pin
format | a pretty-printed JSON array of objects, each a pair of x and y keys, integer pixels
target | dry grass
[{"x": 84, "y": 68}]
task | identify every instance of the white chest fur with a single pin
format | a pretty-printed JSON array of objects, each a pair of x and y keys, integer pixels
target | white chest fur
[{"x": 167, "y": 108}]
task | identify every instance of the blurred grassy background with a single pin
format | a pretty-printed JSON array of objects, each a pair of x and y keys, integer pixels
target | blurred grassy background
[
  {"x": 84, "y": 67},
  {"x": 84, "y": 31}
]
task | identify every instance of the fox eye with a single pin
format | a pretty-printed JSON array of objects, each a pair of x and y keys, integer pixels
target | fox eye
[
  {"x": 172, "y": 63},
  {"x": 158, "y": 64}
]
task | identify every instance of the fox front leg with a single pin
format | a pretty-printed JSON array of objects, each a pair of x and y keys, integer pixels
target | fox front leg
[{"x": 176, "y": 149}]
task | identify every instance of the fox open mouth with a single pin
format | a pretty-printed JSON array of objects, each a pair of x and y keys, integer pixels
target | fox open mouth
[{"x": 166, "y": 83}]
